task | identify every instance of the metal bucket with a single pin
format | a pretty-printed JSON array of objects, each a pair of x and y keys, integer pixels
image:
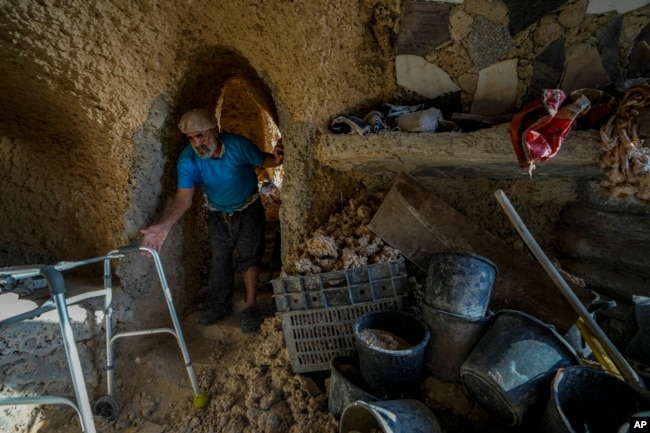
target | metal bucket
[
  {"x": 593, "y": 400},
  {"x": 392, "y": 374},
  {"x": 452, "y": 339},
  {"x": 510, "y": 370},
  {"x": 393, "y": 416},
  {"x": 347, "y": 385},
  {"x": 460, "y": 282}
]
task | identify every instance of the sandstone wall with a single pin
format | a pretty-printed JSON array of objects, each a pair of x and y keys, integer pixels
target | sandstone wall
[{"x": 91, "y": 93}]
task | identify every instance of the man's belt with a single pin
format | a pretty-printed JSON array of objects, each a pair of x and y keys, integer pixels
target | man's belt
[{"x": 250, "y": 200}]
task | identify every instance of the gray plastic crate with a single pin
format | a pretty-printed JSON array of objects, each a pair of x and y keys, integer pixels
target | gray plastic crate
[
  {"x": 314, "y": 337},
  {"x": 318, "y": 311},
  {"x": 338, "y": 288}
]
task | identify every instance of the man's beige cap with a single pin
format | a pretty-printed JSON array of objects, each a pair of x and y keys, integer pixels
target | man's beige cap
[{"x": 197, "y": 120}]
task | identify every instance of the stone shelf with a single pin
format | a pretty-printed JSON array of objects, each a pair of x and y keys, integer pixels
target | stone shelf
[{"x": 483, "y": 153}]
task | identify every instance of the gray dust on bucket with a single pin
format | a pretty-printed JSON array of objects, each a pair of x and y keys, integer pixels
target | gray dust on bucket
[
  {"x": 392, "y": 374},
  {"x": 589, "y": 399},
  {"x": 460, "y": 282},
  {"x": 347, "y": 385},
  {"x": 453, "y": 337},
  {"x": 510, "y": 370},
  {"x": 393, "y": 416}
]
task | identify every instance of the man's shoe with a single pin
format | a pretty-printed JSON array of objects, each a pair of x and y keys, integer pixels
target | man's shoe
[
  {"x": 251, "y": 319},
  {"x": 215, "y": 314}
]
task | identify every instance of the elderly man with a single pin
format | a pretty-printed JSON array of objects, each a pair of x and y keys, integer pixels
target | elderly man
[{"x": 223, "y": 164}]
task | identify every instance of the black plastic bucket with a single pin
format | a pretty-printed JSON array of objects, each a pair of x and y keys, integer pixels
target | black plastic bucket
[
  {"x": 452, "y": 339},
  {"x": 392, "y": 374},
  {"x": 510, "y": 370},
  {"x": 347, "y": 385},
  {"x": 394, "y": 416},
  {"x": 460, "y": 282},
  {"x": 593, "y": 400}
]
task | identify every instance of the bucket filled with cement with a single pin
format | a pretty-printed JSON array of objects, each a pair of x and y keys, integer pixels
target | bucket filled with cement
[{"x": 391, "y": 346}]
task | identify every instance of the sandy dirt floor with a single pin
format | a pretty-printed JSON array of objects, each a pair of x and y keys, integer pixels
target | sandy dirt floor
[{"x": 247, "y": 377}]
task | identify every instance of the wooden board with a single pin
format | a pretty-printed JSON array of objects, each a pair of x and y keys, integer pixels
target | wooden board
[{"x": 419, "y": 224}]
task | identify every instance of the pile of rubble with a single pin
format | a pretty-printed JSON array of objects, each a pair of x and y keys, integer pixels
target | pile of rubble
[{"x": 345, "y": 241}]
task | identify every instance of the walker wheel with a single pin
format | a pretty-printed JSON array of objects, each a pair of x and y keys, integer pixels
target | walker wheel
[
  {"x": 106, "y": 407},
  {"x": 201, "y": 400}
]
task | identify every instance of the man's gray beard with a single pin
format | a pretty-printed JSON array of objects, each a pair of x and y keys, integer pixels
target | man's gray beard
[{"x": 205, "y": 152}]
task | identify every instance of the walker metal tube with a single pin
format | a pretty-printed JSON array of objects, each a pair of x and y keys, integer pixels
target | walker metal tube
[
  {"x": 50, "y": 305},
  {"x": 57, "y": 287},
  {"x": 175, "y": 321},
  {"x": 108, "y": 320},
  {"x": 40, "y": 400},
  {"x": 10, "y": 275},
  {"x": 55, "y": 281},
  {"x": 172, "y": 311},
  {"x": 625, "y": 368}
]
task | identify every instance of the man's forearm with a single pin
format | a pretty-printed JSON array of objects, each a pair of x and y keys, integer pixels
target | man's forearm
[{"x": 179, "y": 205}]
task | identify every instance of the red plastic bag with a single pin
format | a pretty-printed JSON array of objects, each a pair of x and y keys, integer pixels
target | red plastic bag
[{"x": 538, "y": 131}]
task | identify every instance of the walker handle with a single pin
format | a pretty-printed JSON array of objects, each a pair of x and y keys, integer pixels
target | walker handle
[
  {"x": 54, "y": 279},
  {"x": 129, "y": 249}
]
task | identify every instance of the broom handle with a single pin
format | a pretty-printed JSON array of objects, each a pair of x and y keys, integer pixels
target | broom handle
[{"x": 616, "y": 356}]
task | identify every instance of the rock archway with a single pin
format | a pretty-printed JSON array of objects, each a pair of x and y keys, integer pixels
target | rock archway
[{"x": 225, "y": 82}]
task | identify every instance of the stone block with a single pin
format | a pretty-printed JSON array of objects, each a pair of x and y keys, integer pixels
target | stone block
[{"x": 424, "y": 26}]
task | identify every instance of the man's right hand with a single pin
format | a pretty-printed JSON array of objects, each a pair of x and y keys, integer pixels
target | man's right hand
[{"x": 154, "y": 236}]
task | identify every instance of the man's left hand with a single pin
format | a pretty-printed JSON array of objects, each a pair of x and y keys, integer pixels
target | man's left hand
[{"x": 278, "y": 153}]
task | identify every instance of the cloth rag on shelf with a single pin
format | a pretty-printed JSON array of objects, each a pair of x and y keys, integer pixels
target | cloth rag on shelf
[
  {"x": 375, "y": 119},
  {"x": 345, "y": 124},
  {"x": 400, "y": 110},
  {"x": 383, "y": 119}
]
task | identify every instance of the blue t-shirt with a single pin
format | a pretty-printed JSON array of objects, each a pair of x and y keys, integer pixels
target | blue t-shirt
[{"x": 227, "y": 181}]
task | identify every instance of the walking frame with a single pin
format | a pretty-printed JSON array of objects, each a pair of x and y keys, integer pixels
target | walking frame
[{"x": 106, "y": 406}]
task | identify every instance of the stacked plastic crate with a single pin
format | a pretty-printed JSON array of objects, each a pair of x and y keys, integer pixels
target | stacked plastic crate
[{"x": 318, "y": 311}]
